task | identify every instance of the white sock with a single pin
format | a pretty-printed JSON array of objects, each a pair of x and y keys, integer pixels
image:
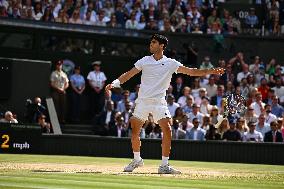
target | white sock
[
  {"x": 165, "y": 160},
  {"x": 137, "y": 156}
]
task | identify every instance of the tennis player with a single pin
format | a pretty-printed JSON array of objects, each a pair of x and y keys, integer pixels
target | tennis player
[{"x": 157, "y": 72}]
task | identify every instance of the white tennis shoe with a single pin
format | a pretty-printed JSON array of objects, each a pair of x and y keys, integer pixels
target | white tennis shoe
[
  {"x": 133, "y": 165},
  {"x": 167, "y": 169}
]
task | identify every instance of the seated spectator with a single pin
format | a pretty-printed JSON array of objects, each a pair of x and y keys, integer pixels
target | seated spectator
[
  {"x": 244, "y": 73},
  {"x": 252, "y": 135},
  {"x": 201, "y": 95},
  {"x": 217, "y": 99},
  {"x": 118, "y": 128},
  {"x": 212, "y": 133},
  {"x": 250, "y": 115},
  {"x": 132, "y": 22},
  {"x": 222, "y": 126},
  {"x": 196, "y": 133},
  {"x": 273, "y": 135},
  {"x": 258, "y": 105},
  {"x": 142, "y": 23},
  {"x": 177, "y": 131},
  {"x": 127, "y": 113},
  {"x": 269, "y": 117},
  {"x": 211, "y": 87},
  {"x": 263, "y": 89},
  {"x": 45, "y": 126},
  {"x": 172, "y": 105},
  {"x": 195, "y": 114},
  {"x": 205, "y": 107},
  {"x": 156, "y": 132},
  {"x": 178, "y": 114},
  {"x": 8, "y": 118},
  {"x": 279, "y": 90},
  {"x": 121, "y": 103},
  {"x": 214, "y": 115},
  {"x": 34, "y": 110},
  {"x": 104, "y": 119},
  {"x": 262, "y": 126},
  {"x": 232, "y": 134},
  {"x": 187, "y": 108},
  {"x": 133, "y": 95},
  {"x": 186, "y": 92},
  {"x": 206, "y": 64},
  {"x": 206, "y": 122},
  {"x": 241, "y": 126}
]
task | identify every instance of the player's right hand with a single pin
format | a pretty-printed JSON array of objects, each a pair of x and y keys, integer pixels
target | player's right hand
[{"x": 108, "y": 88}]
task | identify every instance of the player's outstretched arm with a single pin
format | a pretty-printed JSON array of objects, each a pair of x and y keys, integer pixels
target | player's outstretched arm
[
  {"x": 200, "y": 72},
  {"x": 122, "y": 79}
]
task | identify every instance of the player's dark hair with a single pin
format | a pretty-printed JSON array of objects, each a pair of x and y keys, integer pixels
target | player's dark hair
[{"x": 161, "y": 39}]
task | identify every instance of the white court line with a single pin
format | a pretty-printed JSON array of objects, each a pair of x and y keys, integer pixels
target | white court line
[{"x": 76, "y": 181}]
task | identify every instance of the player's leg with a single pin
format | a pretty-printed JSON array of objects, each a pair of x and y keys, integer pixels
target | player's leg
[
  {"x": 165, "y": 125},
  {"x": 165, "y": 168},
  {"x": 136, "y": 125}
]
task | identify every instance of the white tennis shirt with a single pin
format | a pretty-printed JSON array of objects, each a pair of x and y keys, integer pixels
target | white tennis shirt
[{"x": 156, "y": 76}]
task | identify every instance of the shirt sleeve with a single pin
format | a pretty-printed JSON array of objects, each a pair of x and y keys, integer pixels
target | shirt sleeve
[
  {"x": 103, "y": 77},
  {"x": 139, "y": 64},
  {"x": 176, "y": 65},
  {"x": 89, "y": 77}
]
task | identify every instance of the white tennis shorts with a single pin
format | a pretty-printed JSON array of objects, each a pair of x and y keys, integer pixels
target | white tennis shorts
[{"x": 158, "y": 107}]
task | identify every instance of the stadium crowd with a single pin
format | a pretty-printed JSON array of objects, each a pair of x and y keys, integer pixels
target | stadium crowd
[
  {"x": 196, "y": 104},
  {"x": 186, "y": 16}
]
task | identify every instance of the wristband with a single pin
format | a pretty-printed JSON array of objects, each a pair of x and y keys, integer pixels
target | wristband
[{"x": 116, "y": 83}]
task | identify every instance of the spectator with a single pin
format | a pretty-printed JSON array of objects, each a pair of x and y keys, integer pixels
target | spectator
[
  {"x": 47, "y": 16},
  {"x": 195, "y": 114},
  {"x": 37, "y": 11},
  {"x": 227, "y": 76},
  {"x": 133, "y": 95},
  {"x": 118, "y": 129},
  {"x": 45, "y": 126},
  {"x": 196, "y": 133},
  {"x": 217, "y": 99},
  {"x": 251, "y": 82},
  {"x": 195, "y": 87},
  {"x": 142, "y": 23},
  {"x": 232, "y": 134},
  {"x": 34, "y": 110},
  {"x": 127, "y": 113},
  {"x": 59, "y": 84},
  {"x": 237, "y": 63},
  {"x": 214, "y": 115},
  {"x": 186, "y": 92},
  {"x": 273, "y": 135},
  {"x": 187, "y": 108},
  {"x": 177, "y": 131},
  {"x": 125, "y": 99},
  {"x": 211, "y": 87},
  {"x": 258, "y": 105},
  {"x": 222, "y": 126},
  {"x": 263, "y": 88},
  {"x": 8, "y": 118},
  {"x": 279, "y": 89},
  {"x": 212, "y": 133},
  {"x": 88, "y": 19},
  {"x": 62, "y": 17},
  {"x": 276, "y": 109},
  {"x": 206, "y": 64},
  {"x": 252, "y": 135},
  {"x": 106, "y": 118},
  {"x": 244, "y": 74},
  {"x": 250, "y": 115},
  {"x": 206, "y": 122},
  {"x": 205, "y": 107},
  {"x": 262, "y": 126},
  {"x": 241, "y": 126},
  {"x": 156, "y": 132},
  {"x": 269, "y": 117},
  {"x": 280, "y": 126},
  {"x": 96, "y": 79},
  {"x": 251, "y": 22},
  {"x": 102, "y": 19},
  {"x": 132, "y": 22},
  {"x": 77, "y": 83},
  {"x": 178, "y": 114},
  {"x": 172, "y": 105},
  {"x": 178, "y": 87}
]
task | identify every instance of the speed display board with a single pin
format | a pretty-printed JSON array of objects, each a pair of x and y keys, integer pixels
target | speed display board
[{"x": 19, "y": 138}]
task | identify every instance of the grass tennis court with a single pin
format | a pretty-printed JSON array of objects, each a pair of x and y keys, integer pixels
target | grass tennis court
[{"x": 75, "y": 172}]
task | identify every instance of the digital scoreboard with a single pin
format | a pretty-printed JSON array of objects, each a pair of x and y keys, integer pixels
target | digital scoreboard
[{"x": 19, "y": 138}]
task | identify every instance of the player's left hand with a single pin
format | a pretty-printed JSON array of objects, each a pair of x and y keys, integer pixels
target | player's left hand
[{"x": 218, "y": 71}]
